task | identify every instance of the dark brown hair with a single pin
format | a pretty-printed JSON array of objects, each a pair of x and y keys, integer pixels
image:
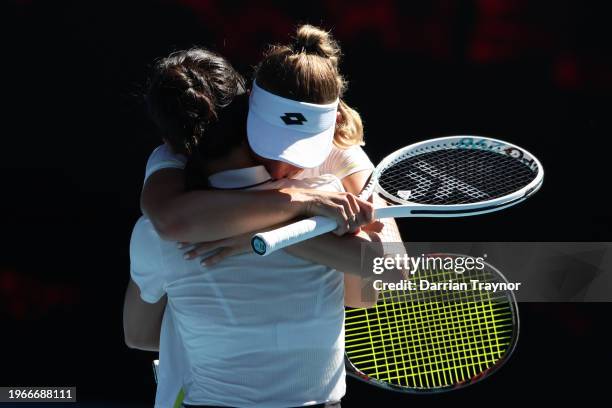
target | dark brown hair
[{"x": 187, "y": 95}]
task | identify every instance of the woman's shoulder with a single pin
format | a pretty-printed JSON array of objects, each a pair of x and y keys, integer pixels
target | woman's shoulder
[
  {"x": 162, "y": 157},
  {"x": 344, "y": 162}
]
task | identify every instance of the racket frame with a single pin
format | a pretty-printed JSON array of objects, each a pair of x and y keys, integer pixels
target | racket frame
[
  {"x": 406, "y": 208},
  {"x": 265, "y": 243}
]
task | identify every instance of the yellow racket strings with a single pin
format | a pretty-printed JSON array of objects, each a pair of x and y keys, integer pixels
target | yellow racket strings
[{"x": 431, "y": 339}]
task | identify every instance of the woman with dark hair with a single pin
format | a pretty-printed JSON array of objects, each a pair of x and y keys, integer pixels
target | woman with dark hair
[
  {"x": 197, "y": 100},
  {"x": 218, "y": 224},
  {"x": 186, "y": 95}
]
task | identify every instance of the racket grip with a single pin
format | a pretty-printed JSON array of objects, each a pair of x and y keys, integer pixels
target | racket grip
[{"x": 265, "y": 243}]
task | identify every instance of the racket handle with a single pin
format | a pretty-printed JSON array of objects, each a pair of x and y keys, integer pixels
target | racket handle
[{"x": 265, "y": 243}]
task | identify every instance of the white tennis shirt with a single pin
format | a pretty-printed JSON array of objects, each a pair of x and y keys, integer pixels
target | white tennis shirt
[
  {"x": 255, "y": 331},
  {"x": 172, "y": 373}
]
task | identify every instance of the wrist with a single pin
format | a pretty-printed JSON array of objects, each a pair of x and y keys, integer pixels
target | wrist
[{"x": 297, "y": 203}]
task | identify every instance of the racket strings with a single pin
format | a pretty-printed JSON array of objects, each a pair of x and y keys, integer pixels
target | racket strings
[
  {"x": 421, "y": 340},
  {"x": 455, "y": 176},
  {"x": 432, "y": 350}
]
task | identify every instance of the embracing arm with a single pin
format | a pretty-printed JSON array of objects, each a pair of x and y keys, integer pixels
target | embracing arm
[
  {"x": 141, "y": 320},
  {"x": 208, "y": 215},
  {"x": 379, "y": 231},
  {"x": 341, "y": 253},
  {"x": 344, "y": 253}
]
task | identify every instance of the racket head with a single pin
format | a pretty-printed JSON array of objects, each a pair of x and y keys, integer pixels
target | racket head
[
  {"x": 457, "y": 176},
  {"x": 437, "y": 354}
]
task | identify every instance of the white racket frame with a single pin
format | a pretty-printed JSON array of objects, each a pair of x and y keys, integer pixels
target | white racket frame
[{"x": 268, "y": 242}]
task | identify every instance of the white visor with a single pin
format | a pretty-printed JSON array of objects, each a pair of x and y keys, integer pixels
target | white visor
[{"x": 298, "y": 133}]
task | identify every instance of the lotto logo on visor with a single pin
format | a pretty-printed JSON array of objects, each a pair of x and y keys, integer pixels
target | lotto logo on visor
[
  {"x": 298, "y": 133},
  {"x": 283, "y": 112},
  {"x": 293, "y": 118}
]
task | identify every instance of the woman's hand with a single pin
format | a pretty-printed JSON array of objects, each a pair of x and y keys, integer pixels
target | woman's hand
[
  {"x": 349, "y": 211},
  {"x": 216, "y": 251}
]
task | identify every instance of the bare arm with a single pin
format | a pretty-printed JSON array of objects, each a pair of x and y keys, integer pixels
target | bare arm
[
  {"x": 208, "y": 215},
  {"x": 141, "y": 320},
  {"x": 341, "y": 253},
  {"x": 359, "y": 288}
]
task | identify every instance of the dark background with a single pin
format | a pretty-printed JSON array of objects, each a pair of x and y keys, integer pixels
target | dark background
[{"x": 75, "y": 140}]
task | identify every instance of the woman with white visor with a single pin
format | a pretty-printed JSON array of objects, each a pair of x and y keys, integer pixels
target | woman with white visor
[{"x": 298, "y": 127}]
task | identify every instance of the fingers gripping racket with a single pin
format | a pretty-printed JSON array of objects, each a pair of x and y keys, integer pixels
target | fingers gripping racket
[
  {"x": 427, "y": 341},
  {"x": 453, "y": 176}
]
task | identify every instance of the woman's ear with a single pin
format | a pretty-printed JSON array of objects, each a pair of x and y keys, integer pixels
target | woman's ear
[{"x": 338, "y": 117}]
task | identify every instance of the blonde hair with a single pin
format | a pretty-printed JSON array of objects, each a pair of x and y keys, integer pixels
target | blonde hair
[{"x": 307, "y": 71}]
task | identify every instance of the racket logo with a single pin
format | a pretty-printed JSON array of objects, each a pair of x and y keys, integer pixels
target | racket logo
[
  {"x": 294, "y": 118},
  {"x": 404, "y": 194},
  {"x": 446, "y": 184}
]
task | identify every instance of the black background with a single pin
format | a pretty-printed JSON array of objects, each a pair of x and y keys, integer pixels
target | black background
[{"x": 75, "y": 140}]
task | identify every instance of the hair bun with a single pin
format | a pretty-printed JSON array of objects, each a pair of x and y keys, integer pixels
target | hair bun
[{"x": 313, "y": 40}]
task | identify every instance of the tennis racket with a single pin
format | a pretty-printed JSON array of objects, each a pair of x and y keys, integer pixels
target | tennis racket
[
  {"x": 446, "y": 177},
  {"x": 428, "y": 341}
]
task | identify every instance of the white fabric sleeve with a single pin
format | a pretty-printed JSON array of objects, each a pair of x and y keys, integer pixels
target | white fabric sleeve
[
  {"x": 164, "y": 158},
  {"x": 344, "y": 162},
  {"x": 146, "y": 261}
]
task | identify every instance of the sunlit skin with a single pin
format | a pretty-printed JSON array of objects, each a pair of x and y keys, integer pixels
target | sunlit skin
[{"x": 278, "y": 169}]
